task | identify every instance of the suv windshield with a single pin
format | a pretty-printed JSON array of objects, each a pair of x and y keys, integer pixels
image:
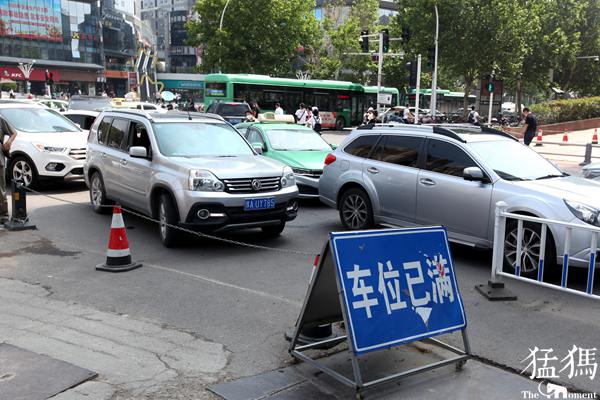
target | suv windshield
[
  {"x": 233, "y": 110},
  {"x": 296, "y": 139},
  {"x": 515, "y": 162},
  {"x": 89, "y": 103},
  {"x": 37, "y": 120},
  {"x": 199, "y": 139}
]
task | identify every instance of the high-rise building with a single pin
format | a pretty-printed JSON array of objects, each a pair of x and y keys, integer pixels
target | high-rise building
[
  {"x": 167, "y": 18},
  {"x": 387, "y": 10}
]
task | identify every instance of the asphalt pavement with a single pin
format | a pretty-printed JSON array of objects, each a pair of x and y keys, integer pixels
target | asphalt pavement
[{"x": 208, "y": 311}]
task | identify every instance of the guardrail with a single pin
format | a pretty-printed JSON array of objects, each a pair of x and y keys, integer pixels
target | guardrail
[
  {"x": 587, "y": 156},
  {"x": 499, "y": 248}
]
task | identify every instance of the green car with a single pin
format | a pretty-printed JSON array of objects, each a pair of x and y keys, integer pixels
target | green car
[{"x": 295, "y": 145}]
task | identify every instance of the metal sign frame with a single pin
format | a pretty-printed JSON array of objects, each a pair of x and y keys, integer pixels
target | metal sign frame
[{"x": 332, "y": 311}]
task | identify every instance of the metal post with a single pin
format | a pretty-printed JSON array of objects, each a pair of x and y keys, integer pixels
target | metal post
[
  {"x": 490, "y": 109},
  {"x": 433, "y": 106},
  {"x": 592, "y": 264},
  {"x": 417, "y": 88},
  {"x": 494, "y": 290},
  {"x": 221, "y": 28},
  {"x": 542, "y": 253},
  {"x": 379, "y": 69},
  {"x": 588, "y": 154},
  {"x": 565, "y": 266}
]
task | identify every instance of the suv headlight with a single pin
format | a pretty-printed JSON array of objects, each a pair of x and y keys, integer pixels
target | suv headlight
[
  {"x": 204, "y": 181},
  {"x": 288, "y": 179},
  {"x": 49, "y": 149},
  {"x": 584, "y": 212}
]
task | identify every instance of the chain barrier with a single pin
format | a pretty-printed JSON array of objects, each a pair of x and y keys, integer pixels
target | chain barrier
[{"x": 188, "y": 231}]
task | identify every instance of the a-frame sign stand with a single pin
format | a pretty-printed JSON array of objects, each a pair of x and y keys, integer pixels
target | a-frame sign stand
[{"x": 325, "y": 304}]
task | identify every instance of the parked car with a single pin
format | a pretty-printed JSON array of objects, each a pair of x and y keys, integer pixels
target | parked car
[
  {"x": 93, "y": 103},
  {"x": 592, "y": 171},
  {"x": 300, "y": 147},
  {"x": 82, "y": 118},
  {"x": 59, "y": 105},
  {"x": 48, "y": 145},
  {"x": 233, "y": 112},
  {"x": 193, "y": 171},
  {"x": 453, "y": 176}
]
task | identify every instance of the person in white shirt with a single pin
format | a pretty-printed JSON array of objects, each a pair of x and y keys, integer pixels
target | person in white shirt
[
  {"x": 301, "y": 115},
  {"x": 278, "y": 109},
  {"x": 406, "y": 114}
]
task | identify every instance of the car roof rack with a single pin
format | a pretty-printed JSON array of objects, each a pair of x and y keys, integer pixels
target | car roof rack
[
  {"x": 494, "y": 131},
  {"x": 440, "y": 130},
  {"x": 152, "y": 116}
]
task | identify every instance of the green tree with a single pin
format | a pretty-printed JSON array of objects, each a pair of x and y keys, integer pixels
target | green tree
[
  {"x": 340, "y": 36},
  {"x": 261, "y": 36}
]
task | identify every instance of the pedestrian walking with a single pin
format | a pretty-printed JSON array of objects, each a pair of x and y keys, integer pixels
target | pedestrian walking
[
  {"x": 278, "y": 109},
  {"x": 300, "y": 114},
  {"x": 5, "y": 130},
  {"x": 406, "y": 114},
  {"x": 366, "y": 115},
  {"x": 531, "y": 125},
  {"x": 316, "y": 119},
  {"x": 11, "y": 94},
  {"x": 473, "y": 117}
]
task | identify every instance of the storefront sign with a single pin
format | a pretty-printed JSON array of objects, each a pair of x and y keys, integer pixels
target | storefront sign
[
  {"x": 40, "y": 20},
  {"x": 37, "y": 74}
]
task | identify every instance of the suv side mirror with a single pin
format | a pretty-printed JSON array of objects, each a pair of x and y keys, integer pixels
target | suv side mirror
[
  {"x": 258, "y": 148},
  {"x": 473, "y": 174},
  {"x": 138, "y": 152}
]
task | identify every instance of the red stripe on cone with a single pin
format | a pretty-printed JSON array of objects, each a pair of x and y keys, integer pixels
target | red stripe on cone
[
  {"x": 595, "y": 137},
  {"x": 565, "y": 137}
]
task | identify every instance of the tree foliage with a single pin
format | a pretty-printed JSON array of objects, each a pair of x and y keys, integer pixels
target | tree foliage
[{"x": 259, "y": 36}]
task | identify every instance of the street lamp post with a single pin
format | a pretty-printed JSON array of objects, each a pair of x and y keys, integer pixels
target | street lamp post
[
  {"x": 220, "y": 29},
  {"x": 26, "y": 69},
  {"x": 433, "y": 105}
]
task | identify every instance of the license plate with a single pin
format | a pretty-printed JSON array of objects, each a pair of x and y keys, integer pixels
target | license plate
[
  {"x": 259, "y": 204},
  {"x": 234, "y": 121}
]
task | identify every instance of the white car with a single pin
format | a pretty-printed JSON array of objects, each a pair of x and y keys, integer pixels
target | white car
[
  {"x": 82, "y": 118},
  {"x": 59, "y": 105},
  {"x": 48, "y": 145}
]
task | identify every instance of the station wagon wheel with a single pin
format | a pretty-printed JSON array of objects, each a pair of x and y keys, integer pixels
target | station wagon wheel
[
  {"x": 356, "y": 212},
  {"x": 167, "y": 217},
  {"x": 98, "y": 195},
  {"x": 531, "y": 248}
]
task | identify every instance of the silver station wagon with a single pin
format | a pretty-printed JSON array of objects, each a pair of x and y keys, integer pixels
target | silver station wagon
[
  {"x": 453, "y": 175},
  {"x": 194, "y": 171}
]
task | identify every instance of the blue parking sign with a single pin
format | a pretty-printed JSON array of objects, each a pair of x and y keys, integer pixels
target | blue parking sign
[{"x": 397, "y": 286}]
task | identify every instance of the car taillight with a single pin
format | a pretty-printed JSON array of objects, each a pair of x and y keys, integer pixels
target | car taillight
[{"x": 330, "y": 159}]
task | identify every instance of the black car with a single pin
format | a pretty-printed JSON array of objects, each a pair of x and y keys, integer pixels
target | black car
[{"x": 234, "y": 113}]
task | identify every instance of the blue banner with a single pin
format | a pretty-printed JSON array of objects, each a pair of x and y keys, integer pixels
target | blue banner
[{"x": 397, "y": 285}]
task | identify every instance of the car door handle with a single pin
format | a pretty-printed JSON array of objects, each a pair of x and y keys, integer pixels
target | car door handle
[
  {"x": 123, "y": 162},
  {"x": 426, "y": 182},
  {"x": 373, "y": 170}
]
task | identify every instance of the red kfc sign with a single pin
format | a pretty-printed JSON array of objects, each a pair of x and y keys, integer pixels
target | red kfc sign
[{"x": 37, "y": 74}]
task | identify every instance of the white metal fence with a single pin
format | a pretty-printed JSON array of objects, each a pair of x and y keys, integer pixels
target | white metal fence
[{"x": 499, "y": 248}]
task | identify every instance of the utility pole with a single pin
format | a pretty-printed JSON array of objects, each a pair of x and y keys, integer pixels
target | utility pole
[
  {"x": 433, "y": 106},
  {"x": 220, "y": 29},
  {"x": 417, "y": 88},
  {"x": 379, "y": 68},
  {"x": 490, "y": 87}
]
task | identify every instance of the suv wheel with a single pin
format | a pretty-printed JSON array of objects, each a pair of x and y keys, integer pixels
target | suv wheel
[
  {"x": 98, "y": 195},
  {"x": 356, "y": 212},
  {"x": 167, "y": 215},
  {"x": 22, "y": 169},
  {"x": 273, "y": 230},
  {"x": 532, "y": 240}
]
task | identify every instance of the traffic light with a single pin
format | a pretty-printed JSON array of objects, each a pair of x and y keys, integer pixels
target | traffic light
[
  {"x": 405, "y": 34},
  {"x": 431, "y": 57},
  {"x": 386, "y": 40},
  {"x": 412, "y": 73},
  {"x": 364, "y": 41},
  {"x": 490, "y": 84}
]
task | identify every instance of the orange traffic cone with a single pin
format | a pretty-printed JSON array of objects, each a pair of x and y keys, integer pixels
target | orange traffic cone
[
  {"x": 595, "y": 137},
  {"x": 118, "y": 257},
  {"x": 538, "y": 141},
  {"x": 565, "y": 136}
]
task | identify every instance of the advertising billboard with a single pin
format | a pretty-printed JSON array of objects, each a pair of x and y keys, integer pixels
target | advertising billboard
[{"x": 31, "y": 19}]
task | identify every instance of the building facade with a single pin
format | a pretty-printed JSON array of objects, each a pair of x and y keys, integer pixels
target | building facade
[
  {"x": 167, "y": 18},
  {"x": 387, "y": 10}
]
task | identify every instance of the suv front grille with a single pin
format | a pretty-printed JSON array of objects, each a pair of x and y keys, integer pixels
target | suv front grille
[
  {"x": 246, "y": 186},
  {"x": 78, "y": 154}
]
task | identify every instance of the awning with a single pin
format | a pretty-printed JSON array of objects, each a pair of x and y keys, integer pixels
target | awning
[{"x": 51, "y": 63}]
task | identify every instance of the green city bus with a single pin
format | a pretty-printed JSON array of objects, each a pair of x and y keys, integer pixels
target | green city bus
[
  {"x": 340, "y": 103},
  {"x": 371, "y": 96}
]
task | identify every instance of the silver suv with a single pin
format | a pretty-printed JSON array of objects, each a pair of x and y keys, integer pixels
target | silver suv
[
  {"x": 453, "y": 175},
  {"x": 194, "y": 171}
]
